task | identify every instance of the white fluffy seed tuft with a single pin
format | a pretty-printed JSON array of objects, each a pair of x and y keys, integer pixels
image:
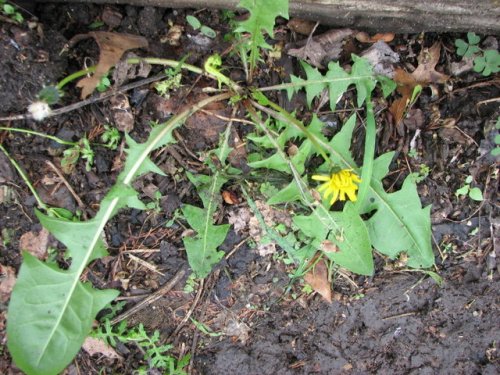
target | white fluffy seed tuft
[{"x": 39, "y": 110}]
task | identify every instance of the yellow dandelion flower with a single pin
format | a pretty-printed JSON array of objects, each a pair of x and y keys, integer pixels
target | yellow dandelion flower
[{"x": 338, "y": 185}]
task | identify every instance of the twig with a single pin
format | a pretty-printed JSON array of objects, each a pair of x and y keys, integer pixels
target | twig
[
  {"x": 68, "y": 186},
  {"x": 91, "y": 100},
  {"x": 191, "y": 309},
  {"x": 152, "y": 298}
]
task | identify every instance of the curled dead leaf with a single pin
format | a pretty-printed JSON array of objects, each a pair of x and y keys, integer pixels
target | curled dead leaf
[
  {"x": 366, "y": 38},
  {"x": 122, "y": 113},
  {"x": 111, "y": 47},
  {"x": 329, "y": 247},
  {"x": 230, "y": 197},
  {"x": 35, "y": 243},
  {"x": 301, "y": 26},
  {"x": 93, "y": 346},
  {"x": 424, "y": 75},
  {"x": 317, "y": 278}
]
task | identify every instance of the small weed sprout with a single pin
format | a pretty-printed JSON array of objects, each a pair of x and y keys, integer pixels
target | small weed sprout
[
  {"x": 172, "y": 82},
  {"x": 486, "y": 62},
  {"x": 72, "y": 155},
  {"x": 103, "y": 84},
  {"x": 110, "y": 137},
  {"x": 196, "y": 24},
  {"x": 11, "y": 12},
  {"x": 155, "y": 354},
  {"x": 473, "y": 193}
]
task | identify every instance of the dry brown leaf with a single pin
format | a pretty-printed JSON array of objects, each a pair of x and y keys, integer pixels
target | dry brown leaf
[
  {"x": 122, "y": 113},
  {"x": 329, "y": 247},
  {"x": 7, "y": 281},
  {"x": 424, "y": 75},
  {"x": 301, "y": 26},
  {"x": 230, "y": 197},
  {"x": 322, "y": 48},
  {"x": 93, "y": 346},
  {"x": 35, "y": 243},
  {"x": 111, "y": 47},
  {"x": 366, "y": 38},
  {"x": 317, "y": 278}
]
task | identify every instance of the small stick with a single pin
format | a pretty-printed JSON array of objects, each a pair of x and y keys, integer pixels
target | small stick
[
  {"x": 191, "y": 309},
  {"x": 152, "y": 298},
  {"x": 91, "y": 100},
  {"x": 68, "y": 186}
]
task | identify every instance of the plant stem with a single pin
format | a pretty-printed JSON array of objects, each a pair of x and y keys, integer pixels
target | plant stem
[
  {"x": 165, "y": 62},
  {"x": 74, "y": 76},
  {"x": 282, "y": 115},
  {"x": 25, "y": 178},
  {"x": 367, "y": 169},
  {"x": 32, "y": 132}
]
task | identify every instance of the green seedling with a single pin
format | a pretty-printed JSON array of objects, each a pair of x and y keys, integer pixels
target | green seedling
[
  {"x": 473, "y": 193},
  {"x": 111, "y": 137},
  {"x": 172, "y": 82},
  {"x": 103, "y": 84},
  {"x": 486, "y": 62},
  {"x": 422, "y": 174},
  {"x": 203, "y": 328},
  {"x": 72, "y": 155},
  {"x": 191, "y": 284},
  {"x": 155, "y": 354},
  {"x": 11, "y": 12},
  {"x": 96, "y": 24},
  {"x": 196, "y": 24}
]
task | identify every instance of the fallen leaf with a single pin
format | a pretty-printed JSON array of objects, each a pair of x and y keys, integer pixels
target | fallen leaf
[
  {"x": 366, "y": 38},
  {"x": 317, "y": 278},
  {"x": 323, "y": 48},
  {"x": 382, "y": 58},
  {"x": 424, "y": 75},
  {"x": 7, "y": 281},
  {"x": 35, "y": 243},
  {"x": 122, "y": 113},
  {"x": 93, "y": 346},
  {"x": 124, "y": 71},
  {"x": 230, "y": 197},
  {"x": 301, "y": 26},
  {"x": 111, "y": 47},
  {"x": 173, "y": 36},
  {"x": 329, "y": 247}
]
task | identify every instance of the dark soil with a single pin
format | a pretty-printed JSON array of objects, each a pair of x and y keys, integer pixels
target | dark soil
[{"x": 396, "y": 322}]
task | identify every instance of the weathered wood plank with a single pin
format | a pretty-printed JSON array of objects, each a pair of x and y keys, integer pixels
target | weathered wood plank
[{"x": 401, "y": 16}]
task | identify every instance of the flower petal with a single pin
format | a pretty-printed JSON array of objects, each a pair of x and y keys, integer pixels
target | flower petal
[{"x": 318, "y": 177}]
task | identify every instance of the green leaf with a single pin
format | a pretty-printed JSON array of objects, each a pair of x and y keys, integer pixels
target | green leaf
[
  {"x": 473, "y": 38},
  {"x": 202, "y": 248},
  {"x": 208, "y": 31},
  {"x": 462, "y": 191},
  {"x": 51, "y": 311},
  {"x": 262, "y": 16},
  {"x": 492, "y": 58},
  {"x": 476, "y": 194},
  {"x": 337, "y": 81},
  {"x": 9, "y": 9},
  {"x": 345, "y": 229},
  {"x": 398, "y": 223},
  {"x": 462, "y": 46},
  {"x": 479, "y": 64},
  {"x": 50, "y": 314},
  {"x": 194, "y": 22}
]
